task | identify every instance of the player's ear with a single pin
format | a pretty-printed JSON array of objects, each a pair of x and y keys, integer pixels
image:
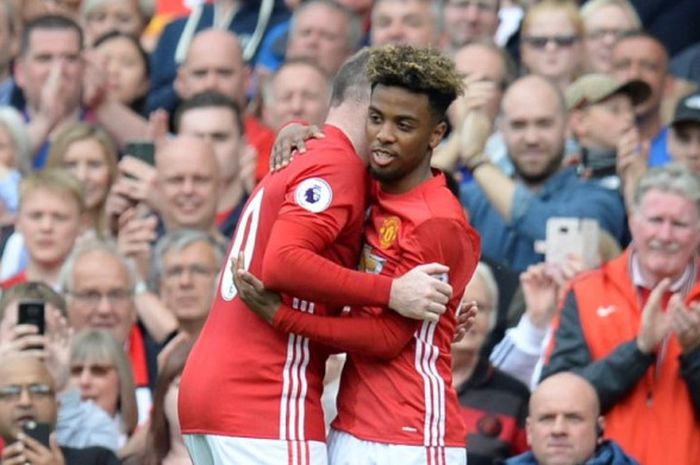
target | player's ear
[{"x": 438, "y": 133}]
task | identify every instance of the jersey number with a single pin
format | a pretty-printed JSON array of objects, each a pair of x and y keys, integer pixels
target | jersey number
[{"x": 247, "y": 223}]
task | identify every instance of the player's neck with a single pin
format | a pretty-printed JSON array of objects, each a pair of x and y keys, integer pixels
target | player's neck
[
  {"x": 410, "y": 181},
  {"x": 344, "y": 117}
]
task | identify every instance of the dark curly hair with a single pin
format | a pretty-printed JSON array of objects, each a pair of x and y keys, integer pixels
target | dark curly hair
[{"x": 419, "y": 70}]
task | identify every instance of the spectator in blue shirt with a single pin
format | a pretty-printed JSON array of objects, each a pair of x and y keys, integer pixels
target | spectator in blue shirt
[{"x": 511, "y": 213}]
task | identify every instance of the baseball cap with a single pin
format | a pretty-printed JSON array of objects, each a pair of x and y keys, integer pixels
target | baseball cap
[
  {"x": 596, "y": 87},
  {"x": 688, "y": 109}
]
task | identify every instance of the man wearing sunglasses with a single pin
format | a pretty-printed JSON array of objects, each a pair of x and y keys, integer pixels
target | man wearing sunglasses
[{"x": 28, "y": 399}]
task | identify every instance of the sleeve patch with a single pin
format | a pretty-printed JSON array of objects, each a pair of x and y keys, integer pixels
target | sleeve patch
[{"x": 314, "y": 195}]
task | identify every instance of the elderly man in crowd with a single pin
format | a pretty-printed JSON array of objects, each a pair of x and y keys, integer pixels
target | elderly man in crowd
[
  {"x": 101, "y": 286},
  {"x": 187, "y": 264},
  {"x": 324, "y": 32},
  {"x": 28, "y": 397},
  {"x": 632, "y": 328},
  {"x": 511, "y": 214},
  {"x": 564, "y": 426}
]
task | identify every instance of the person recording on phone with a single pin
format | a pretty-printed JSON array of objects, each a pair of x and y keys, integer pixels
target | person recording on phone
[
  {"x": 79, "y": 424},
  {"x": 632, "y": 327},
  {"x": 28, "y": 415}
]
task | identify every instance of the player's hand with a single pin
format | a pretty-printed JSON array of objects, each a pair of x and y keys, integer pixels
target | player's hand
[
  {"x": 252, "y": 291},
  {"x": 289, "y": 139},
  {"x": 419, "y": 294},
  {"x": 465, "y": 319}
]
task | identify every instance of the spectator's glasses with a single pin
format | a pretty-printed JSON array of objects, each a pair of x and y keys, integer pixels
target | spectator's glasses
[
  {"x": 599, "y": 34},
  {"x": 93, "y": 297},
  {"x": 95, "y": 369},
  {"x": 540, "y": 42},
  {"x": 196, "y": 271},
  {"x": 12, "y": 392}
]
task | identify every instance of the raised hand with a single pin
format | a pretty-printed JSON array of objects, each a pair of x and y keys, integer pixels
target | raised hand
[
  {"x": 656, "y": 323},
  {"x": 540, "y": 291},
  {"x": 465, "y": 319},
  {"x": 685, "y": 323}
]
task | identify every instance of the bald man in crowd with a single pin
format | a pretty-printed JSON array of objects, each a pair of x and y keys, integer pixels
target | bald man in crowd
[{"x": 564, "y": 426}]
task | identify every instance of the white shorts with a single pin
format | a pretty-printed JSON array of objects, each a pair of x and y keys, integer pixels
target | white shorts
[
  {"x": 346, "y": 449},
  {"x": 209, "y": 449}
]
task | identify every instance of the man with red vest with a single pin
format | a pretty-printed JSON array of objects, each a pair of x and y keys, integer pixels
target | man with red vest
[{"x": 632, "y": 328}]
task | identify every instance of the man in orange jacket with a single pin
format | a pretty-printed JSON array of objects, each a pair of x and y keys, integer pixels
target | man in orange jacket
[{"x": 632, "y": 328}]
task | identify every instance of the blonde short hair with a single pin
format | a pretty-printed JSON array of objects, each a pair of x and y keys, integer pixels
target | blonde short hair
[
  {"x": 566, "y": 6},
  {"x": 55, "y": 181}
]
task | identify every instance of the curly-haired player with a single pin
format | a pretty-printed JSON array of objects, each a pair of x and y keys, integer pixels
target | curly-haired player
[
  {"x": 396, "y": 403},
  {"x": 405, "y": 410}
]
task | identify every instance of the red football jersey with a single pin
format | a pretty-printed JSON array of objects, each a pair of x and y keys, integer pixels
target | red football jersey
[
  {"x": 413, "y": 391},
  {"x": 396, "y": 386},
  {"x": 298, "y": 230}
]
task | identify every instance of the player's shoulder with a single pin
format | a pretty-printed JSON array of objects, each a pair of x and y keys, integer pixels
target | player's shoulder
[
  {"x": 334, "y": 148},
  {"x": 439, "y": 204}
]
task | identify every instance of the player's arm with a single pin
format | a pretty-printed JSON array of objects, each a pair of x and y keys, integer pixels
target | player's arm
[
  {"x": 293, "y": 263},
  {"x": 382, "y": 337}
]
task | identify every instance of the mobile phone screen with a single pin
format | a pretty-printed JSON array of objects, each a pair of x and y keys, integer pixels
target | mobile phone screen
[{"x": 32, "y": 313}]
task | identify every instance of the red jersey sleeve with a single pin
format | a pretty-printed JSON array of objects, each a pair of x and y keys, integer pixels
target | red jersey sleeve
[
  {"x": 318, "y": 205},
  {"x": 385, "y": 336},
  {"x": 382, "y": 337}
]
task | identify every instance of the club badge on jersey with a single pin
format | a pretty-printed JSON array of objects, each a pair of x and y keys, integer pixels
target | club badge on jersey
[
  {"x": 314, "y": 195},
  {"x": 389, "y": 232}
]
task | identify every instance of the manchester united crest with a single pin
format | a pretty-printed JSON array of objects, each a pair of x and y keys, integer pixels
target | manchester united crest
[{"x": 389, "y": 232}]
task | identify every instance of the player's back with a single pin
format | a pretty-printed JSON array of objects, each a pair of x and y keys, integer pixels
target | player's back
[
  {"x": 415, "y": 389},
  {"x": 244, "y": 378}
]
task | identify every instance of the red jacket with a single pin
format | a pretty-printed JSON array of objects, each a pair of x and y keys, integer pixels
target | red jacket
[{"x": 652, "y": 413}]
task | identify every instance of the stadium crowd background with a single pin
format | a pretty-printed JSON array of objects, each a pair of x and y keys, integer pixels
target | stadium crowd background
[{"x": 566, "y": 108}]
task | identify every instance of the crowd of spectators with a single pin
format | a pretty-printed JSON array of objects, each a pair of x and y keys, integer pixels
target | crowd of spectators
[{"x": 571, "y": 110}]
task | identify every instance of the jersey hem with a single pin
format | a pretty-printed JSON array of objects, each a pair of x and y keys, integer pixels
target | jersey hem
[
  {"x": 247, "y": 436},
  {"x": 398, "y": 442}
]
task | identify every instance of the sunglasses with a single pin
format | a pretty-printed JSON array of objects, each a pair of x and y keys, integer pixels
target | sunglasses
[{"x": 541, "y": 41}]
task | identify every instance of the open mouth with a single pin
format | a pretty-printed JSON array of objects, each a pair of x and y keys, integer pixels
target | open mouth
[{"x": 382, "y": 157}]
